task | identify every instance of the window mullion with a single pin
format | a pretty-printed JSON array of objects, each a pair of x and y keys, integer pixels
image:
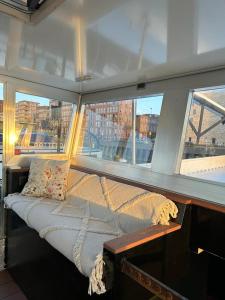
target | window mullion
[{"x": 134, "y": 132}]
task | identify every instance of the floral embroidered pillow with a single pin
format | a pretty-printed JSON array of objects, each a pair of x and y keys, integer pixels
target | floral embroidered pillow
[
  {"x": 47, "y": 178},
  {"x": 36, "y": 184},
  {"x": 57, "y": 173}
]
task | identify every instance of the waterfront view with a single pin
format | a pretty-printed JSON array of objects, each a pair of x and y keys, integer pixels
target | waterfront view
[
  {"x": 123, "y": 131},
  {"x": 42, "y": 125}
]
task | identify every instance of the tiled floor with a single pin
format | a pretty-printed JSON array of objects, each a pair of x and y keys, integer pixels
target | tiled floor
[{"x": 9, "y": 290}]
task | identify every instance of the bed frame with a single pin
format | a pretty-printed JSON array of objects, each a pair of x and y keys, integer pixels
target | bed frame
[{"x": 162, "y": 261}]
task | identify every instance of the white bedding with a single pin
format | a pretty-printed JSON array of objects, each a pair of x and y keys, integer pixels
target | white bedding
[{"x": 96, "y": 210}]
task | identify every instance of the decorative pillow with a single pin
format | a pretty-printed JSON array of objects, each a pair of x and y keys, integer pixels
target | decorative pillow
[
  {"x": 56, "y": 172},
  {"x": 47, "y": 178},
  {"x": 37, "y": 179}
]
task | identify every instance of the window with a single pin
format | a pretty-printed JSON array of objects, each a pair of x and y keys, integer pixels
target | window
[
  {"x": 116, "y": 135},
  {"x": 42, "y": 125},
  {"x": 204, "y": 149},
  {"x": 104, "y": 138}
]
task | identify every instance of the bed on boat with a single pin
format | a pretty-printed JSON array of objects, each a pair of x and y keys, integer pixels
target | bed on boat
[{"x": 157, "y": 260}]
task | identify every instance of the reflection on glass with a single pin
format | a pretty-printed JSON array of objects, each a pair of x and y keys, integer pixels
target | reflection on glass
[
  {"x": 204, "y": 150},
  {"x": 108, "y": 130},
  {"x": 205, "y": 132},
  {"x": 147, "y": 120},
  {"x": 42, "y": 125},
  {"x": 210, "y": 29}
]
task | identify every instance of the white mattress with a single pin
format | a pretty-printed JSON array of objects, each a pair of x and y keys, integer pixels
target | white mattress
[
  {"x": 38, "y": 215},
  {"x": 96, "y": 210}
]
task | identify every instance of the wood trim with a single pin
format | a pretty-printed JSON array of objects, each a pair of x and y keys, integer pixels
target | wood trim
[
  {"x": 210, "y": 205},
  {"x": 176, "y": 197},
  {"x": 149, "y": 282},
  {"x": 140, "y": 237}
]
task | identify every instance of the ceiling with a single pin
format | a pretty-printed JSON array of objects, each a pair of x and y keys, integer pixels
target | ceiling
[{"x": 117, "y": 42}]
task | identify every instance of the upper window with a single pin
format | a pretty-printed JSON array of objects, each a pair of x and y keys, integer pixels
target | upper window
[
  {"x": 204, "y": 150},
  {"x": 42, "y": 125},
  {"x": 122, "y": 131}
]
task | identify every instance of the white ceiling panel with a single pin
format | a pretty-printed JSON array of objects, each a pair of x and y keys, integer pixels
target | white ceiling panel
[{"x": 116, "y": 42}]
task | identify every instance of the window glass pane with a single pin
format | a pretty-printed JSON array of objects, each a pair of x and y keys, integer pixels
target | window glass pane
[
  {"x": 108, "y": 130},
  {"x": 147, "y": 120},
  {"x": 42, "y": 125},
  {"x": 204, "y": 150}
]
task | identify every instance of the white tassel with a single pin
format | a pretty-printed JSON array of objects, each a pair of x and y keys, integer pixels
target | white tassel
[
  {"x": 164, "y": 211},
  {"x": 96, "y": 285}
]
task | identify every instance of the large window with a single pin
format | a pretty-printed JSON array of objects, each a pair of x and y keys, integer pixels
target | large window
[
  {"x": 122, "y": 131},
  {"x": 42, "y": 125},
  {"x": 204, "y": 150}
]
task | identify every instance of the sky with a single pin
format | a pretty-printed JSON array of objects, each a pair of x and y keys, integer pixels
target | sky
[
  {"x": 1, "y": 91},
  {"x": 144, "y": 105},
  {"x": 41, "y": 100},
  {"x": 149, "y": 105},
  {"x": 22, "y": 96}
]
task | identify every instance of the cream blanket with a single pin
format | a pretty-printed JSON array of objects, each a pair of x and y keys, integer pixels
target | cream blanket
[{"x": 96, "y": 210}]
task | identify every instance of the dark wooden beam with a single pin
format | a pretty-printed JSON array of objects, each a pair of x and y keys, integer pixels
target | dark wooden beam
[{"x": 149, "y": 282}]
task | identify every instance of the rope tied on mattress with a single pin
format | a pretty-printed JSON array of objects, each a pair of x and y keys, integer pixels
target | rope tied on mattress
[
  {"x": 74, "y": 187},
  {"x": 80, "y": 239},
  {"x": 106, "y": 193}
]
